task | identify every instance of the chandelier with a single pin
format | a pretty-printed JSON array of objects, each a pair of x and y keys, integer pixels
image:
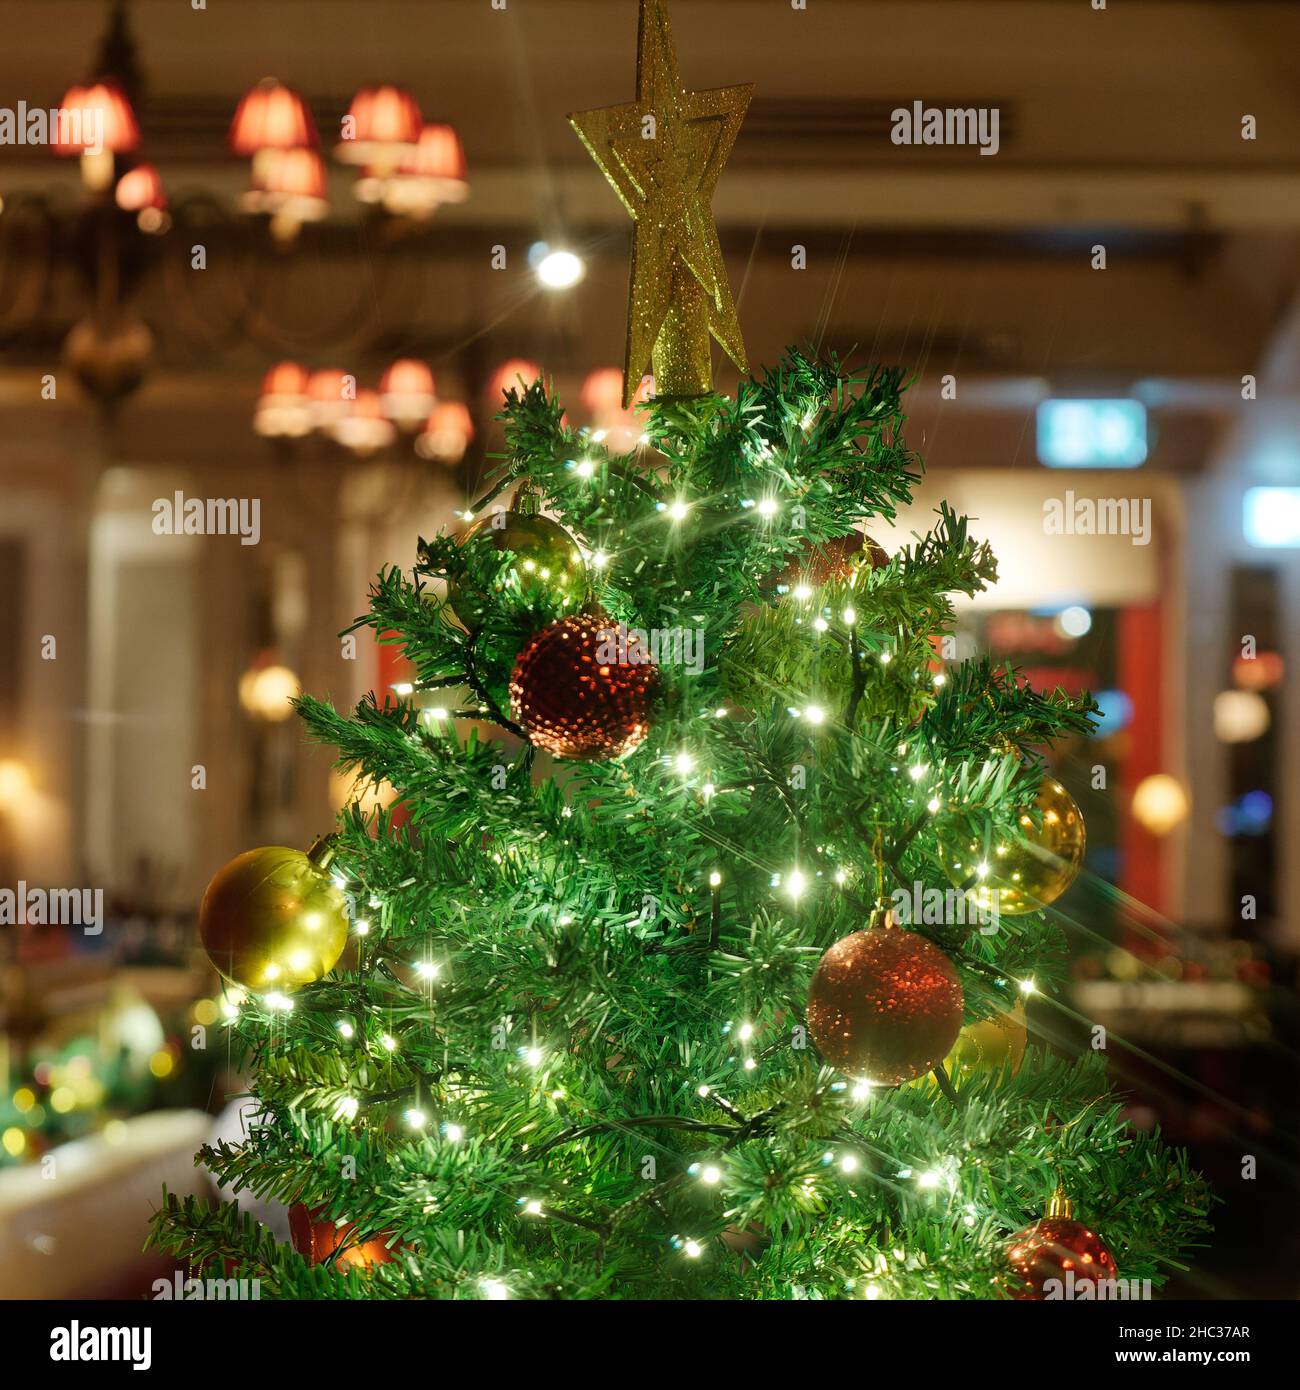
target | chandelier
[{"x": 126, "y": 227}]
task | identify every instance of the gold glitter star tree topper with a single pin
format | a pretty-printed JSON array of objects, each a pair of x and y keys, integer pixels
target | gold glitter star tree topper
[{"x": 663, "y": 153}]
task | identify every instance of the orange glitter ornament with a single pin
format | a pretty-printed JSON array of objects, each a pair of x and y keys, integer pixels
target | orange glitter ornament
[{"x": 885, "y": 1004}]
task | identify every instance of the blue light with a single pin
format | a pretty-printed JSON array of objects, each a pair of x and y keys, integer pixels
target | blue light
[
  {"x": 1250, "y": 814},
  {"x": 1271, "y": 516},
  {"x": 1115, "y": 710},
  {"x": 1092, "y": 434},
  {"x": 1257, "y": 809}
]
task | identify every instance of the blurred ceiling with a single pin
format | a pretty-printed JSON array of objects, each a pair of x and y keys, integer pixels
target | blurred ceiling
[{"x": 1120, "y": 127}]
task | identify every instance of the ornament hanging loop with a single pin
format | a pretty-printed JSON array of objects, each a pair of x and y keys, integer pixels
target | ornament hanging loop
[
  {"x": 324, "y": 850},
  {"x": 1059, "y": 1205},
  {"x": 881, "y": 913},
  {"x": 526, "y": 501}
]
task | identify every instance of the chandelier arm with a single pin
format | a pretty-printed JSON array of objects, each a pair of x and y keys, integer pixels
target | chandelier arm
[
  {"x": 357, "y": 326},
  {"x": 241, "y": 291},
  {"x": 196, "y": 324},
  {"x": 25, "y": 293}
]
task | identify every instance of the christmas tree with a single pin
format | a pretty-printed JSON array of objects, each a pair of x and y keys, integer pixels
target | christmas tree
[{"x": 694, "y": 965}]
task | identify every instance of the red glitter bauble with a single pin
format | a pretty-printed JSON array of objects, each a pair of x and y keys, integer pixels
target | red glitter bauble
[
  {"x": 583, "y": 688},
  {"x": 316, "y": 1239},
  {"x": 1061, "y": 1249},
  {"x": 885, "y": 1004},
  {"x": 821, "y": 561}
]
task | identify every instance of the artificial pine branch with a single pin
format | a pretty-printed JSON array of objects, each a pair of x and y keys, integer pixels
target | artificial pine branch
[{"x": 582, "y": 991}]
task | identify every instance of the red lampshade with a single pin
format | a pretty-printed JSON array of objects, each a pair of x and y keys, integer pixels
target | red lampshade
[
  {"x": 363, "y": 427},
  {"x": 447, "y": 434},
  {"x": 602, "y": 392},
  {"x": 602, "y": 395},
  {"x": 406, "y": 391},
  {"x": 98, "y": 118},
  {"x": 325, "y": 390},
  {"x": 430, "y": 174},
  {"x": 283, "y": 409},
  {"x": 70, "y": 137},
  {"x": 140, "y": 188},
  {"x": 294, "y": 174},
  {"x": 286, "y": 381},
  {"x": 437, "y": 155},
  {"x": 453, "y": 415},
  {"x": 272, "y": 117},
  {"x": 507, "y": 377},
  {"x": 381, "y": 123},
  {"x": 290, "y": 182}
]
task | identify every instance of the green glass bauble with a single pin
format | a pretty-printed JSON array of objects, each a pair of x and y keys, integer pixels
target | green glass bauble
[{"x": 547, "y": 565}]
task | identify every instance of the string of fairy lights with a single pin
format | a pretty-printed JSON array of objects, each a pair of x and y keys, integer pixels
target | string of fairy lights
[
  {"x": 690, "y": 763},
  {"x": 792, "y": 883},
  {"x": 935, "y": 1177}
]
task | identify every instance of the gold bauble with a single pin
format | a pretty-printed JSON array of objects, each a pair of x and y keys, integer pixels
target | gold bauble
[
  {"x": 548, "y": 564},
  {"x": 1032, "y": 868},
  {"x": 988, "y": 1044},
  {"x": 273, "y": 919}
]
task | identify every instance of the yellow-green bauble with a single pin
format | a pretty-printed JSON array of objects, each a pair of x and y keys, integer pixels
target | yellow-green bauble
[
  {"x": 273, "y": 920},
  {"x": 1030, "y": 868},
  {"x": 988, "y": 1044},
  {"x": 547, "y": 564}
]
